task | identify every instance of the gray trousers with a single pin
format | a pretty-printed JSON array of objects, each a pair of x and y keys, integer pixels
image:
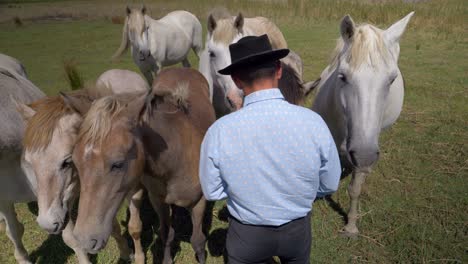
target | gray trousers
[{"x": 258, "y": 244}]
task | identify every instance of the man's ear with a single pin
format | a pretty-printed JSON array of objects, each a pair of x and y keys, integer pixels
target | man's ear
[{"x": 279, "y": 70}]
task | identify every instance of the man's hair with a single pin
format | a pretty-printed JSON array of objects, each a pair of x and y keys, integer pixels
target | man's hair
[{"x": 250, "y": 74}]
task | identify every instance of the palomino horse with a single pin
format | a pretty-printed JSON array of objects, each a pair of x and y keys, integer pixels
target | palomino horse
[
  {"x": 224, "y": 30},
  {"x": 15, "y": 187},
  {"x": 361, "y": 93},
  {"x": 51, "y": 133},
  {"x": 163, "y": 42},
  {"x": 160, "y": 134}
]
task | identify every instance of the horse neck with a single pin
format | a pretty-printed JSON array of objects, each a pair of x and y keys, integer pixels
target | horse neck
[{"x": 327, "y": 104}]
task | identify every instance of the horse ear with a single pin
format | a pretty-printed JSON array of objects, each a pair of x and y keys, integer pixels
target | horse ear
[
  {"x": 143, "y": 10},
  {"x": 136, "y": 108},
  {"x": 128, "y": 10},
  {"x": 78, "y": 103},
  {"x": 239, "y": 22},
  {"x": 211, "y": 23},
  {"x": 25, "y": 111},
  {"x": 347, "y": 28},
  {"x": 395, "y": 31}
]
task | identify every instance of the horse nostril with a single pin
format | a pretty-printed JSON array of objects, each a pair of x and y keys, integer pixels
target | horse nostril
[
  {"x": 94, "y": 243},
  {"x": 56, "y": 226},
  {"x": 352, "y": 155}
]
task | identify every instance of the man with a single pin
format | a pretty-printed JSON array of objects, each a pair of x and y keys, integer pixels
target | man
[{"x": 269, "y": 160}]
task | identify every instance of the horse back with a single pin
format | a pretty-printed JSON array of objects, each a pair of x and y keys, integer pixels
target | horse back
[{"x": 261, "y": 25}]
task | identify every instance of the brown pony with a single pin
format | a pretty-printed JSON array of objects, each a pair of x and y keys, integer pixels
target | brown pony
[{"x": 159, "y": 134}]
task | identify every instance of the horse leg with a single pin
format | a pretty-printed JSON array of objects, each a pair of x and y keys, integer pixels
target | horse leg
[
  {"x": 120, "y": 240},
  {"x": 71, "y": 242},
  {"x": 14, "y": 231},
  {"x": 166, "y": 231},
  {"x": 354, "y": 190},
  {"x": 186, "y": 63},
  {"x": 135, "y": 226},
  {"x": 198, "y": 239}
]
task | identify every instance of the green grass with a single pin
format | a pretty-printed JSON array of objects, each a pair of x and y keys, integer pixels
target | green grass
[{"x": 415, "y": 206}]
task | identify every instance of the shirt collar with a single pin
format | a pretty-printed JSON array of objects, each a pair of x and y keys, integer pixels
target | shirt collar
[{"x": 263, "y": 95}]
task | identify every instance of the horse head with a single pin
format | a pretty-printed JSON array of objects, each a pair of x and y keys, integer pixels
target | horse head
[
  {"x": 51, "y": 131},
  {"x": 138, "y": 31},
  {"x": 222, "y": 33},
  {"x": 367, "y": 81},
  {"x": 109, "y": 158}
]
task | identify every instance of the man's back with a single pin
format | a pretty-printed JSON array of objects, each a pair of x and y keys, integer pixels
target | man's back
[{"x": 273, "y": 158}]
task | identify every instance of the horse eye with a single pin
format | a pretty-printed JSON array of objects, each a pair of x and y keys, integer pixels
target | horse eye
[
  {"x": 66, "y": 164},
  {"x": 117, "y": 166},
  {"x": 342, "y": 77},
  {"x": 392, "y": 80},
  {"x": 212, "y": 54}
]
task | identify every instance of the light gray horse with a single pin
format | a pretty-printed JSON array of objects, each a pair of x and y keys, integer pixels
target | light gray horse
[
  {"x": 361, "y": 93},
  {"x": 15, "y": 187},
  {"x": 50, "y": 136},
  {"x": 163, "y": 42},
  {"x": 223, "y": 30}
]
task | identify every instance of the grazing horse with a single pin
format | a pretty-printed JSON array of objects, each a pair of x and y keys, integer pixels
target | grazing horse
[
  {"x": 159, "y": 134},
  {"x": 163, "y": 42},
  {"x": 15, "y": 187},
  {"x": 50, "y": 136},
  {"x": 224, "y": 30},
  {"x": 361, "y": 93}
]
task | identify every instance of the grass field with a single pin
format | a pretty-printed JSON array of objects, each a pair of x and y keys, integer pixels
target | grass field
[{"x": 415, "y": 209}]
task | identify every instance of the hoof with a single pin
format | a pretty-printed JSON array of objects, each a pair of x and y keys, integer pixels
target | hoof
[{"x": 349, "y": 233}]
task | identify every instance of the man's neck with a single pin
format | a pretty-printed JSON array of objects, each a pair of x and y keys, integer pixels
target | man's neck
[{"x": 259, "y": 85}]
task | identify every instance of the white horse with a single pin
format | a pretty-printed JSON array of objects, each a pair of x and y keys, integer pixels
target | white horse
[
  {"x": 163, "y": 42},
  {"x": 223, "y": 30},
  {"x": 361, "y": 93},
  {"x": 50, "y": 135},
  {"x": 15, "y": 187}
]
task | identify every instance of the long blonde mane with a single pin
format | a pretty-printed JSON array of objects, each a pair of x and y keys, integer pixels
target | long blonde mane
[
  {"x": 225, "y": 31},
  {"x": 366, "y": 46},
  {"x": 97, "y": 123},
  {"x": 40, "y": 128}
]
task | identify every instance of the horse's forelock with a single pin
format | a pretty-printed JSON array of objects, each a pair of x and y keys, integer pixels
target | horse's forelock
[
  {"x": 136, "y": 20},
  {"x": 98, "y": 121},
  {"x": 225, "y": 32},
  {"x": 41, "y": 126},
  {"x": 367, "y": 46}
]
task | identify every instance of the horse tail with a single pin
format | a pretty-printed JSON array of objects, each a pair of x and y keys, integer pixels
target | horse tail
[
  {"x": 291, "y": 85},
  {"x": 74, "y": 78},
  {"x": 125, "y": 41}
]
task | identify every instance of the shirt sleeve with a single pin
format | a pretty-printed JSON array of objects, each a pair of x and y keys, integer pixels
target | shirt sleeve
[
  {"x": 212, "y": 184},
  {"x": 330, "y": 169}
]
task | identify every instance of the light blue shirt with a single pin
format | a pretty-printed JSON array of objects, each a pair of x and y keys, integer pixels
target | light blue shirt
[{"x": 270, "y": 160}]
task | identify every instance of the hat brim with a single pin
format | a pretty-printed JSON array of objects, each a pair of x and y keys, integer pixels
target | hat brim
[{"x": 255, "y": 59}]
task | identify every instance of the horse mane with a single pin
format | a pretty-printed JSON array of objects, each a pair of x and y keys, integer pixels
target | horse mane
[
  {"x": 98, "y": 121},
  {"x": 366, "y": 46},
  {"x": 49, "y": 111},
  {"x": 291, "y": 85}
]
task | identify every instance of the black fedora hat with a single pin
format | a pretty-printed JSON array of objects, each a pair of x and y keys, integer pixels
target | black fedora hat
[{"x": 252, "y": 51}]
